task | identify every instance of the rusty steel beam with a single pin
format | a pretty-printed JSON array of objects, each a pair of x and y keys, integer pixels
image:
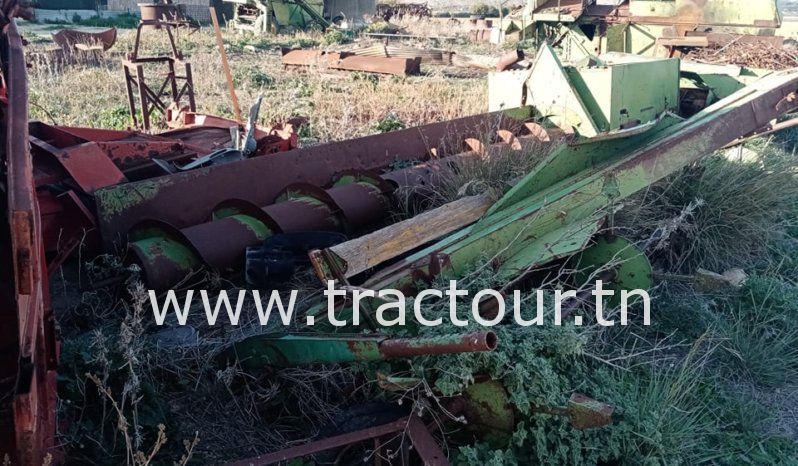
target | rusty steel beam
[
  {"x": 380, "y": 65},
  {"x": 425, "y": 445},
  {"x": 27, "y": 334}
]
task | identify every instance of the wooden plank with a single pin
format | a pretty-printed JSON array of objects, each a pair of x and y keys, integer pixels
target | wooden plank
[
  {"x": 368, "y": 251},
  {"x": 225, "y": 66},
  {"x": 697, "y": 41}
]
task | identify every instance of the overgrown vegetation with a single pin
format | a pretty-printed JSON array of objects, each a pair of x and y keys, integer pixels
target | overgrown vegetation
[
  {"x": 336, "y": 37},
  {"x": 482, "y": 9},
  {"x": 338, "y": 107}
]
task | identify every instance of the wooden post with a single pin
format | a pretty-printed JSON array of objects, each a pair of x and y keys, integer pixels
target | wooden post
[{"x": 225, "y": 65}]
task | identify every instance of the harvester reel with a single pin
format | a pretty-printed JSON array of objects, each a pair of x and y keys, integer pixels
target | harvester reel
[{"x": 626, "y": 266}]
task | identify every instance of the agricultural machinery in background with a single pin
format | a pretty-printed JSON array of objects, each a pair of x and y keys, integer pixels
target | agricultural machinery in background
[
  {"x": 647, "y": 27},
  {"x": 270, "y": 16},
  {"x": 245, "y": 202}
]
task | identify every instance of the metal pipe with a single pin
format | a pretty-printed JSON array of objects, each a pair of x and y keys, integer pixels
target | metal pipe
[
  {"x": 446, "y": 344},
  {"x": 296, "y": 350}
]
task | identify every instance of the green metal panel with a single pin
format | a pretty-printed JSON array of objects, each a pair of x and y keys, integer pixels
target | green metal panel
[
  {"x": 721, "y": 80},
  {"x": 557, "y": 101},
  {"x": 643, "y": 91},
  {"x": 641, "y": 39},
  {"x": 289, "y": 13},
  {"x": 632, "y": 268},
  {"x": 599, "y": 99},
  {"x": 616, "y": 38}
]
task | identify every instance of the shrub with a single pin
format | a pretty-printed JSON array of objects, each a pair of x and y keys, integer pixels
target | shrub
[
  {"x": 718, "y": 213},
  {"x": 336, "y": 36},
  {"x": 391, "y": 122},
  {"x": 482, "y": 9}
]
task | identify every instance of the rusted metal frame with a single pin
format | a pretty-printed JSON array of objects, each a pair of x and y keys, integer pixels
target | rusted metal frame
[
  {"x": 131, "y": 101},
  {"x": 149, "y": 99},
  {"x": 329, "y": 443},
  {"x": 293, "y": 350},
  {"x": 142, "y": 88},
  {"x": 189, "y": 198},
  {"x": 189, "y": 87},
  {"x": 172, "y": 81},
  {"x": 28, "y": 432},
  {"x": 157, "y": 97},
  {"x": 424, "y": 444}
]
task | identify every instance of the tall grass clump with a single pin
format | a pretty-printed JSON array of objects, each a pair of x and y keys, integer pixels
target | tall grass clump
[
  {"x": 758, "y": 331},
  {"x": 719, "y": 213}
]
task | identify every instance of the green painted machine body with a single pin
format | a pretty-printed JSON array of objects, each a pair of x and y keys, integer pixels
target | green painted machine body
[
  {"x": 555, "y": 210},
  {"x": 601, "y": 97}
]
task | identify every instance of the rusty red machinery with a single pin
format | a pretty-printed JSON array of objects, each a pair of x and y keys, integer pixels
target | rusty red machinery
[
  {"x": 28, "y": 350},
  {"x": 71, "y": 164},
  {"x": 51, "y": 174}
]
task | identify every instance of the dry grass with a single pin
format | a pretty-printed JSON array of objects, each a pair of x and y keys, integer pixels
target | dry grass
[{"x": 339, "y": 106}]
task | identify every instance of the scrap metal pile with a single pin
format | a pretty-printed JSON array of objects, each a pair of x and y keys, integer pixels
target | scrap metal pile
[
  {"x": 736, "y": 51},
  {"x": 207, "y": 197},
  {"x": 386, "y": 11},
  {"x": 646, "y": 27}
]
